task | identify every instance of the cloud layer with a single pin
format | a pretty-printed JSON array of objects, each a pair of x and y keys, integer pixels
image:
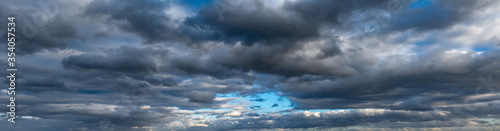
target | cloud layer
[{"x": 250, "y": 65}]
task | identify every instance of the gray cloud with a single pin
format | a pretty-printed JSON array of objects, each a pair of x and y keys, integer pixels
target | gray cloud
[
  {"x": 331, "y": 119},
  {"x": 39, "y": 29},
  {"x": 436, "y": 15},
  {"x": 131, "y": 65},
  {"x": 202, "y": 97}
]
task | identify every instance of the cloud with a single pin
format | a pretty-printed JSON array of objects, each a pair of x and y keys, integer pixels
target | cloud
[
  {"x": 125, "y": 59},
  {"x": 330, "y": 119},
  {"x": 259, "y": 100},
  {"x": 407, "y": 87},
  {"x": 42, "y": 25},
  {"x": 202, "y": 97},
  {"x": 43, "y": 84},
  {"x": 159, "y": 65},
  {"x": 251, "y": 22},
  {"x": 146, "y": 19},
  {"x": 436, "y": 15}
]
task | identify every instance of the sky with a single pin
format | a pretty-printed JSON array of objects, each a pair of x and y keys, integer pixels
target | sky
[{"x": 141, "y": 65}]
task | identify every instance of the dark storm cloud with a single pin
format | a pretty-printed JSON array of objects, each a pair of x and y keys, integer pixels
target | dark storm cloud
[
  {"x": 227, "y": 21},
  {"x": 135, "y": 70},
  {"x": 140, "y": 61},
  {"x": 37, "y": 29},
  {"x": 437, "y": 14},
  {"x": 125, "y": 59},
  {"x": 279, "y": 60},
  {"x": 193, "y": 65},
  {"x": 201, "y": 97},
  {"x": 75, "y": 95},
  {"x": 145, "y": 18},
  {"x": 328, "y": 11},
  {"x": 383, "y": 90},
  {"x": 331, "y": 49},
  {"x": 160, "y": 81},
  {"x": 113, "y": 97},
  {"x": 281, "y": 31},
  {"x": 332, "y": 119},
  {"x": 43, "y": 125},
  {"x": 43, "y": 84},
  {"x": 252, "y": 114},
  {"x": 251, "y": 22},
  {"x": 90, "y": 116},
  {"x": 254, "y": 23},
  {"x": 413, "y": 87},
  {"x": 184, "y": 64}
]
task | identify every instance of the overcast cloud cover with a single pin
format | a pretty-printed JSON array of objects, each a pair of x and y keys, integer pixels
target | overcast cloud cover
[{"x": 104, "y": 65}]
